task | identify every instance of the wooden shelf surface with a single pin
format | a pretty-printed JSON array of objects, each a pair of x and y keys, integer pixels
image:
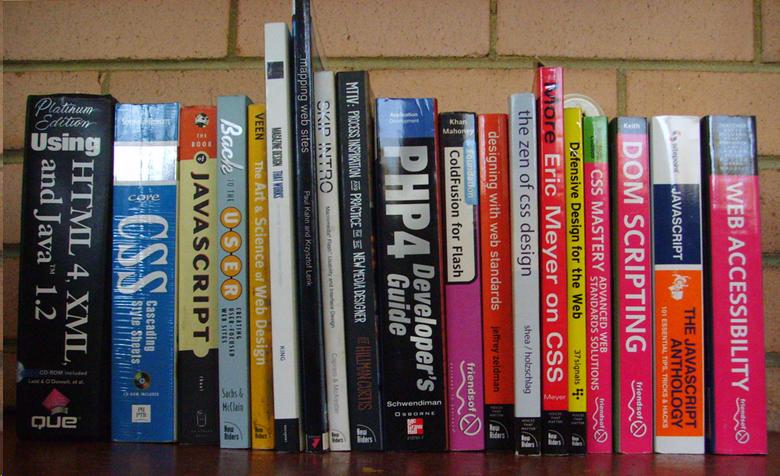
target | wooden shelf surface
[{"x": 97, "y": 458}]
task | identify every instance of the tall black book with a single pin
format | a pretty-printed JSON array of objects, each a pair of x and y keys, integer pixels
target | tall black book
[
  {"x": 315, "y": 418},
  {"x": 356, "y": 155},
  {"x": 410, "y": 283},
  {"x": 65, "y": 272}
]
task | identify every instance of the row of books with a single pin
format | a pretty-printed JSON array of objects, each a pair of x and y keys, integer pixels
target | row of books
[{"x": 279, "y": 278}]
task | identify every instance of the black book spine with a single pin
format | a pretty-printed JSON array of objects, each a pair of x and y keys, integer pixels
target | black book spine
[
  {"x": 315, "y": 421},
  {"x": 359, "y": 259},
  {"x": 65, "y": 276},
  {"x": 409, "y": 243}
]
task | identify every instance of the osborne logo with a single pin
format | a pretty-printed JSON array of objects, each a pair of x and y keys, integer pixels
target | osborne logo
[{"x": 57, "y": 405}]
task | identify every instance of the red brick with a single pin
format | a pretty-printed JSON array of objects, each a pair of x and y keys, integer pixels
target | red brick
[
  {"x": 12, "y": 192},
  {"x": 10, "y": 296},
  {"x": 17, "y": 86},
  {"x": 770, "y": 210},
  {"x": 187, "y": 87},
  {"x": 111, "y": 29},
  {"x": 661, "y": 29},
  {"x": 677, "y": 92},
  {"x": 486, "y": 90},
  {"x": 379, "y": 28}
]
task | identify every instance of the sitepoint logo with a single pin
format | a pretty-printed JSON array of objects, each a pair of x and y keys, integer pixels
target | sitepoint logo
[{"x": 57, "y": 405}]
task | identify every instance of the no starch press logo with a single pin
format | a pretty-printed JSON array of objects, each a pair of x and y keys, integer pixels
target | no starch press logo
[{"x": 57, "y": 405}]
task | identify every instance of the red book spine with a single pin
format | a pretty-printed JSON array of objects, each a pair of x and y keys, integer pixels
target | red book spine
[
  {"x": 632, "y": 285},
  {"x": 552, "y": 203},
  {"x": 496, "y": 262}
]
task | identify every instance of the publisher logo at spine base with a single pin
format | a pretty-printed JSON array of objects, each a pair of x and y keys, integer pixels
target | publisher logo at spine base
[
  {"x": 636, "y": 419},
  {"x": 414, "y": 426},
  {"x": 57, "y": 405},
  {"x": 231, "y": 265},
  {"x": 741, "y": 434}
]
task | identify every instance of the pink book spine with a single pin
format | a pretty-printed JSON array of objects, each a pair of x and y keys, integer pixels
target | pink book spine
[
  {"x": 598, "y": 287},
  {"x": 736, "y": 313},
  {"x": 633, "y": 287},
  {"x": 463, "y": 293}
]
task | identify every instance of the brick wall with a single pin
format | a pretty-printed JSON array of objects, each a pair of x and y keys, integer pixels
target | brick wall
[{"x": 643, "y": 58}]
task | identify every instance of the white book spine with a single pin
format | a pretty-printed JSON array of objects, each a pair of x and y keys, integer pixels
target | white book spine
[
  {"x": 525, "y": 271},
  {"x": 284, "y": 318},
  {"x": 330, "y": 259}
]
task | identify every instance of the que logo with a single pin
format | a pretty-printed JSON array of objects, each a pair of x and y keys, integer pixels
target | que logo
[
  {"x": 230, "y": 241},
  {"x": 57, "y": 405}
]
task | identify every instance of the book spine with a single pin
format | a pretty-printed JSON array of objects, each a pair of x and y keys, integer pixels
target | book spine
[
  {"x": 260, "y": 368},
  {"x": 284, "y": 311},
  {"x": 678, "y": 284},
  {"x": 576, "y": 277},
  {"x": 632, "y": 281},
  {"x": 409, "y": 248},
  {"x": 198, "y": 383},
  {"x": 552, "y": 204},
  {"x": 460, "y": 189},
  {"x": 233, "y": 304},
  {"x": 313, "y": 385},
  {"x": 361, "y": 319},
  {"x": 64, "y": 268},
  {"x": 143, "y": 305},
  {"x": 598, "y": 284},
  {"x": 330, "y": 259},
  {"x": 495, "y": 230},
  {"x": 735, "y": 378},
  {"x": 523, "y": 191}
]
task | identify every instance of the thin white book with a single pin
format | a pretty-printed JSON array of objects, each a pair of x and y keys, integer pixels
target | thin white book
[
  {"x": 284, "y": 306},
  {"x": 330, "y": 259},
  {"x": 525, "y": 272}
]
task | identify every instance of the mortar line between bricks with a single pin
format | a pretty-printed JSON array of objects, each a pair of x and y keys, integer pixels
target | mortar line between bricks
[
  {"x": 400, "y": 63},
  {"x": 13, "y": 157},
  {"x": 758, "y": 33},
  {"x": 773, "y": 360},
  {"x": 232, "y": 34},
  {"x": 493, "y": 28},
  {"x": 105, "y": 81},
  {"x": 622, "y": 92}
]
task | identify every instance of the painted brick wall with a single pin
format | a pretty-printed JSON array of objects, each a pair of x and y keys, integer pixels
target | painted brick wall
[{"x": 644, "y": 58}]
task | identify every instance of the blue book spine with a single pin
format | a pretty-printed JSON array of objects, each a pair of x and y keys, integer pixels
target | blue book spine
[
  {"x": 143, "y": 304},
  {"x": 233, "y": 303}
]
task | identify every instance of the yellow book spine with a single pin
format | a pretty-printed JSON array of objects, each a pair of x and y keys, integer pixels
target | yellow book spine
[
  {"x": 260, "y": 355},
  {"x": 575, "y": 260}
]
